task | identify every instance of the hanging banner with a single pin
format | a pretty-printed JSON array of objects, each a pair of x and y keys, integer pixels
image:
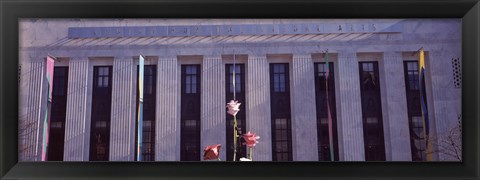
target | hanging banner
[
  {"x": 46, "y": 123},
  {"x": 140, "y": 108}
]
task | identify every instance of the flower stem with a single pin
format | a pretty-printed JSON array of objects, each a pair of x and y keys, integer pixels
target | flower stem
[
  {"x": 251, "y": 154},
  {"x": 234, "y": 137}
]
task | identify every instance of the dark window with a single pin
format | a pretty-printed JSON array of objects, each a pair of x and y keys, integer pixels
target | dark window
[
  {"x": 372, "y": 112},
  {"x": 149, "y": 101},
  {"x": 190, "y": 113},
  {"x": 58, "y": 113},
  {"x": 101, "y": 107},
  {"x": 280, "y": 112},
  {"x": 191, "y": 81},
  {"x": 417, "y": 139},
  {"x": 322, "y": 111},
  {"x": 240, "y": 96}
]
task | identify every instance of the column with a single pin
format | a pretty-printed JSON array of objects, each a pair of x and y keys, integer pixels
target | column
[
  {"x": 304, "y": 125},
  {"x": 76, "y": 129},
  {"x": 444, "y": 103},
  {"x": 258, "y": 106},
  {"x": 167, "y": 128},
  {"x": 213, "y": 108},
  {"x": 350, "y": 108},
  {"x": 31, "y": 121},
  {"x": 397, "y": 134},
  {"x": 122, "y": 122}
]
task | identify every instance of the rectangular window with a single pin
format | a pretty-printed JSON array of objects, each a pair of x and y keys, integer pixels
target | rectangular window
[
  {"x": 322, "y": 111},
  {"x": 190, "y": 113},
  {"x": 417, "y": 139},
  {"x": 371, "y": 111},
  {"x": 149, "y": 105},
  {"x": 280, "y": 112},
  {"x": 101, "y": 107},
  {"x": 58, "y": 113},
  {"x": 241, "y": 115}
]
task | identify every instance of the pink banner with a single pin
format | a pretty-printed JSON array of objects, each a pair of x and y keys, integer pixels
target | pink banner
[{"x": 46, "y": 124}]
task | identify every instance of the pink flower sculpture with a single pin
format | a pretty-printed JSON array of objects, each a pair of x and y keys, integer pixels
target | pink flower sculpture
[
  {"x": 233, "y": 107},
  {"x": 250, "y": 139},
  {"x": 211, "y": 152}
]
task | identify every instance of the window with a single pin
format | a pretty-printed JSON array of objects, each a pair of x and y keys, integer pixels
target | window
[
  {"x": 102, "y": 78},
  {"x": 191, "y": 79},
  {"x": 240, "y": 96},
  {"x": 190, "y": 113},
  {"x": 372, "y": 112},
  {"x": 322, "y": 111},
  {"x": 149, "y": 101},
  {"x": 417, "y": 139},
  {"x": 280, "y": 112},
  {"x": 279, "y": 78},
  {"x": 101, "y": 107},
  {"x": 58, "y": 114}
]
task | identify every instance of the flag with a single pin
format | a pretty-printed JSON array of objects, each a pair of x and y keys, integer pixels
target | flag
[
  {"x": 330, "y": 129},
  {"x": 140, "y": 108},
  {"x": 46, "y": 123},
  {"x": 423, "y": 101}
]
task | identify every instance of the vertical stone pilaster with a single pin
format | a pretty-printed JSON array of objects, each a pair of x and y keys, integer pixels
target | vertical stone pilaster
[
  {"x": 304, "y": 125},
  {"x": 444, "y": 103},
  {"x": 76, "y": 130},
  {"x": 31, "y": 121},
  {"x": 396, "y": 126},
  {"x": 213, "y": 108},
  {"x": 122, "y": 121},
  {"x": 350, "y": 108},
  {"x": 167, "y": 128},
  {"x": 258, "y": 107}
]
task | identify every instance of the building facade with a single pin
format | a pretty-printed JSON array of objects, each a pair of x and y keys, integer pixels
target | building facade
[{"x": 373, "y": 89}]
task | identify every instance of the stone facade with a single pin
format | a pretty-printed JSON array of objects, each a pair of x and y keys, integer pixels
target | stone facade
[{"x": 440, "y": 38}]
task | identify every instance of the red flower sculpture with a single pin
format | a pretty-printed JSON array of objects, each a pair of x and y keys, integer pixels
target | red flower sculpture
[
  {"x": 250, "y": 139},
  {"x": 233, "y": 107},
  {"x": 212, "y": 152}
]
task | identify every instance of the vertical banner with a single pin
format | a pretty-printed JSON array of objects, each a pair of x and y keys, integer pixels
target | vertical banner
[
  {"x": 423, "y": 99},
  {"x": 140, "y": 108},
  {"x": 330, "y": 127},
  {"x": 46, "y": 123}
]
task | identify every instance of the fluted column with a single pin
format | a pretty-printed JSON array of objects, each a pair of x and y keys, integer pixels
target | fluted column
[
  {"x": 350, "y": 108},
  {"x": 395, "y": 96},
  {"x": 122, "y": 122},
  {"x": 30, "y": 128},
  {"x": 76, "y": 136},
  {"x": 258, "y": 107},
  {"x": 167, "y": 128},
  {"x": 304, "y": 113},
  {"x": 213, "y": 108}
]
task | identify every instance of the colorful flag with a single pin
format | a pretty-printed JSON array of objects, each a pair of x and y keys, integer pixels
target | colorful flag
[
  {"x": 330, "y": 129},
  {"x": 140, "y": 108},
  {"x": 46, "y": 123},
  {"x": 423, "y": 100}
]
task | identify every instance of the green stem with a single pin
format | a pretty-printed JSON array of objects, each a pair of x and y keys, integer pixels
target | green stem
[
  {"x": 251, "y": 154},
  {"x": 234, "y": 137}
]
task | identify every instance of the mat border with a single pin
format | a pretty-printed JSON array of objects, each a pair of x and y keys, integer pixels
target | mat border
[{"x": 11, "y": 11}]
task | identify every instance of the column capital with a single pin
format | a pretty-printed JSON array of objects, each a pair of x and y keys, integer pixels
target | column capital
[
  {"x": 347, "y": 54},
  {"x": 257, "y": 56},
  {"x": 216, "y": 56},
  {"x": 302, "y": 56},
  {"x": 167, "y": 58},
  {"x": 124, "y": 58}
]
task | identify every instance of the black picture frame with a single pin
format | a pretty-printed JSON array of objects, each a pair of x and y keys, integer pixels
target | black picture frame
[{"x": 11, "y": 11}]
